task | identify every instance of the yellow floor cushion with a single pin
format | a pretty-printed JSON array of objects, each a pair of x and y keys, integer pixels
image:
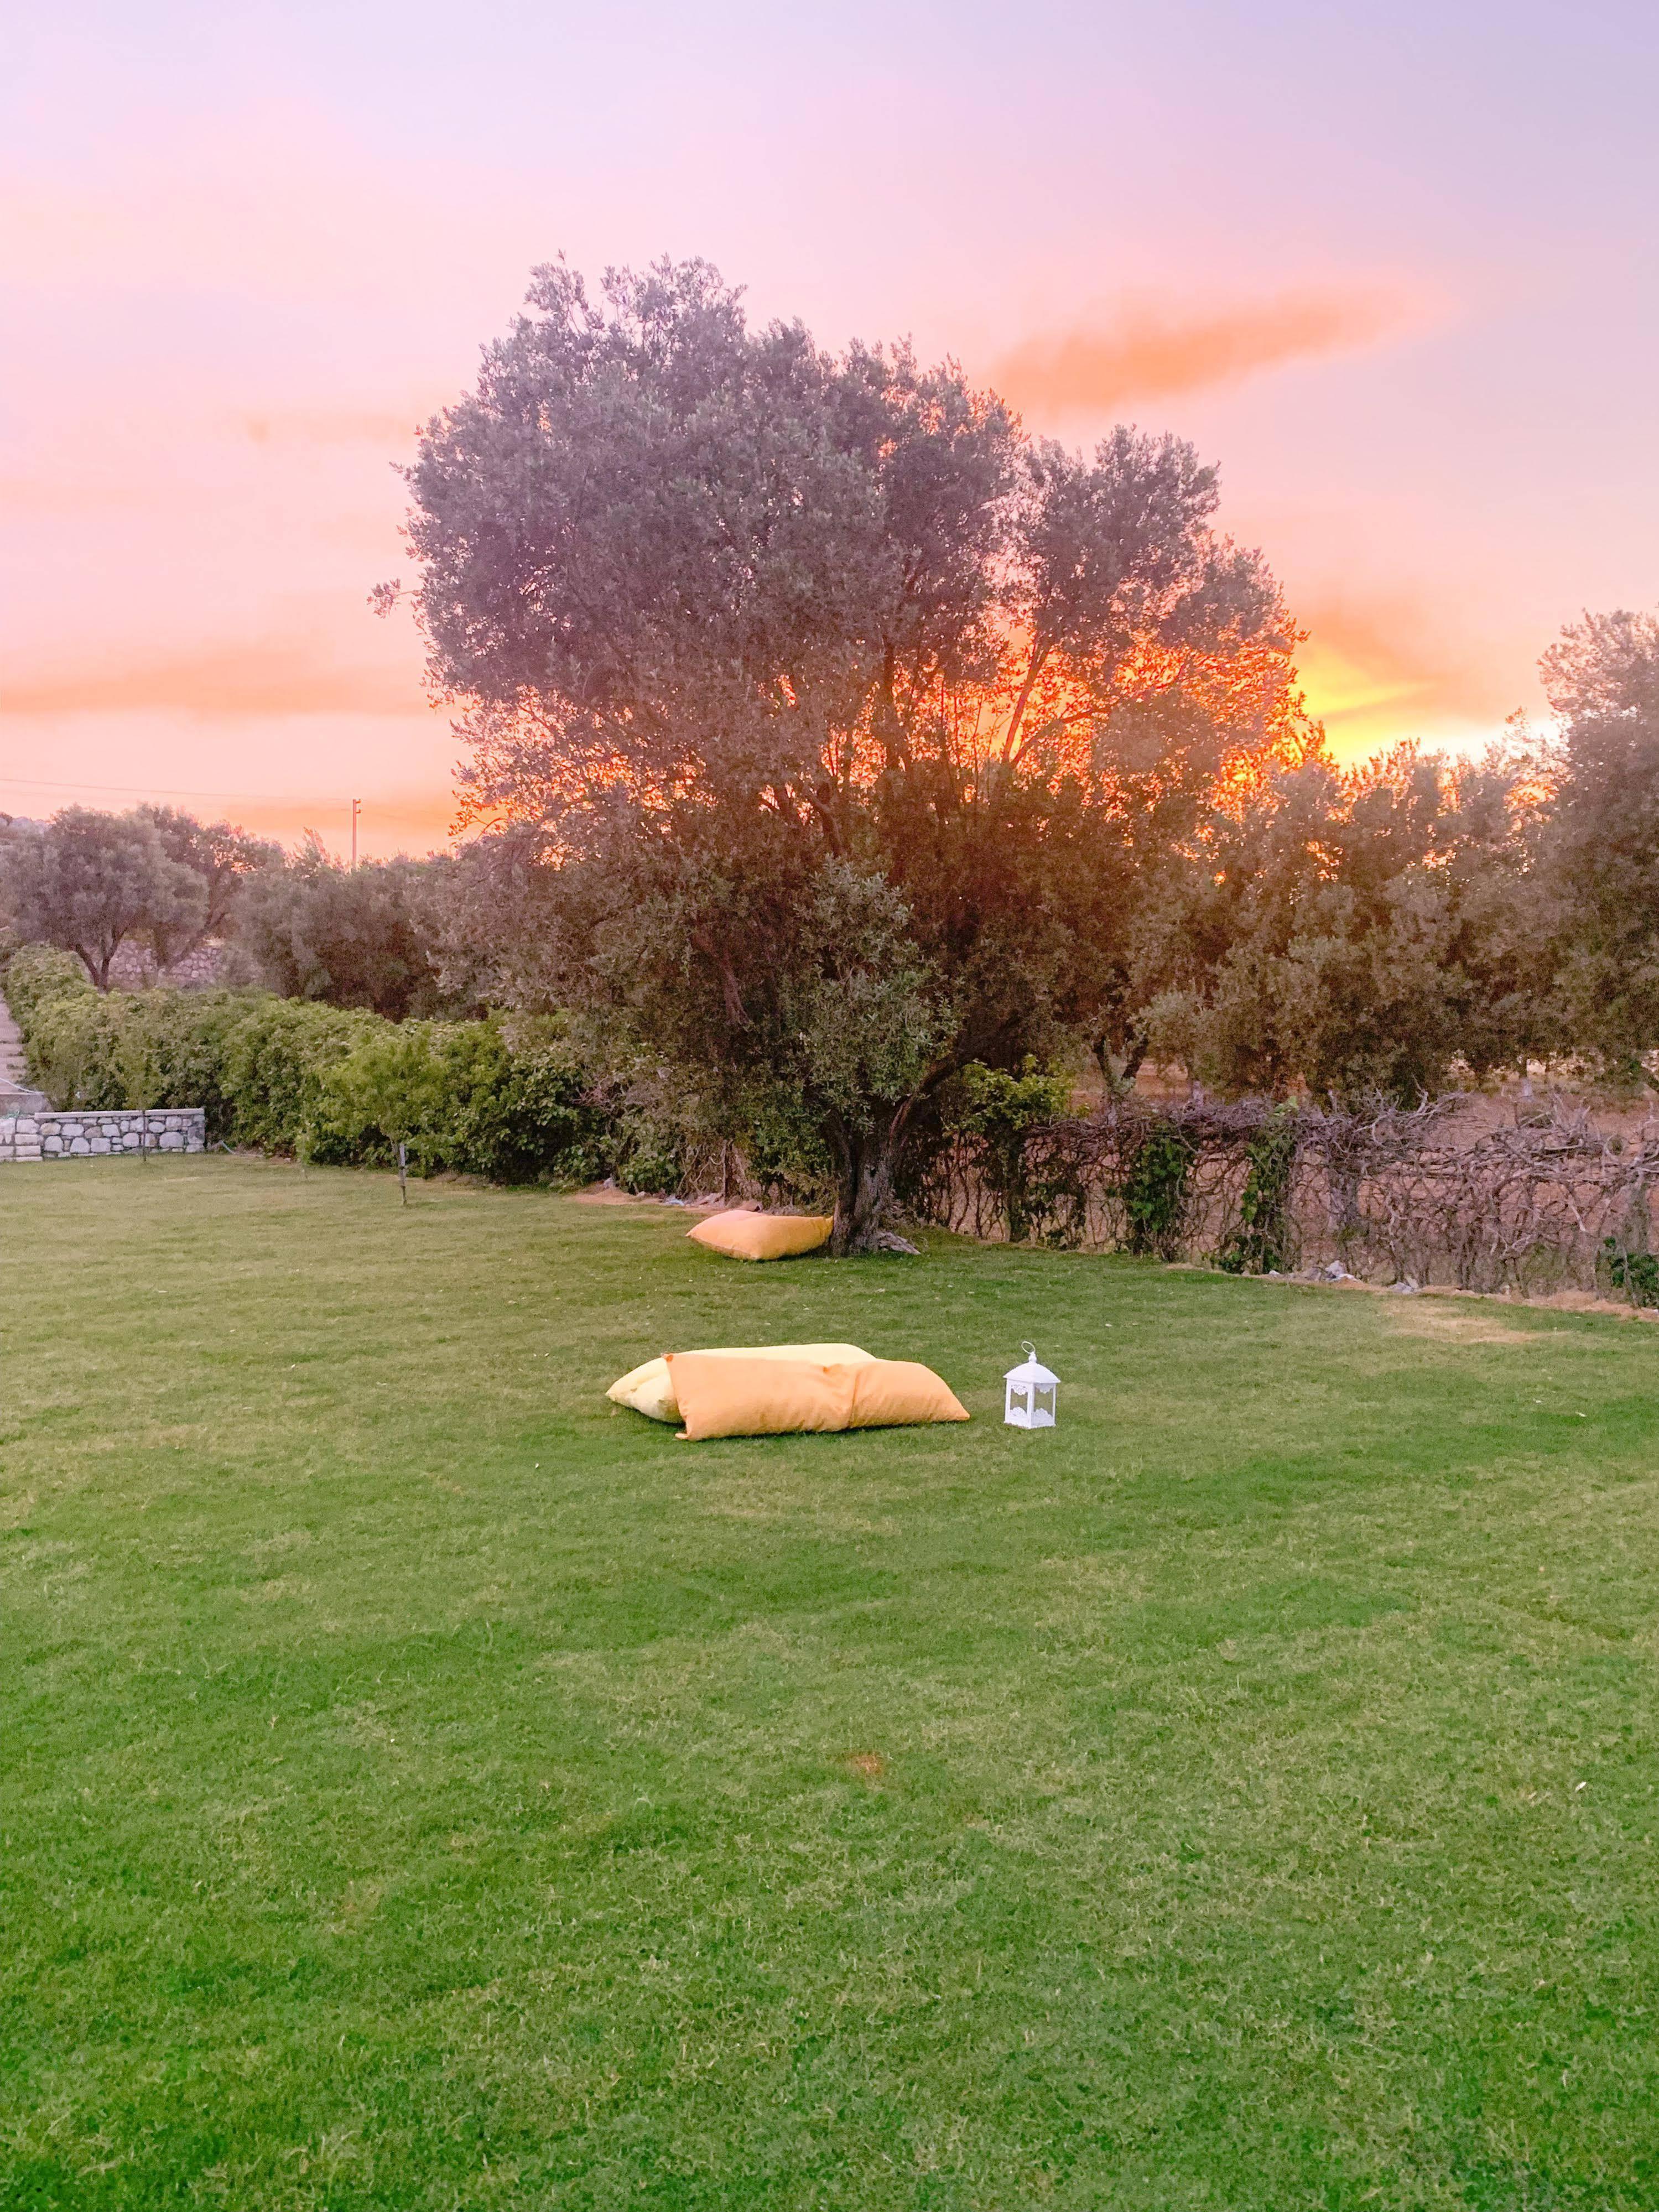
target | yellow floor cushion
[
  {"x": 762, "y": 1236},
  {"x": 725, "y": 1397},
  {"x": 899, "y": 1394},
  {"x": 649, "y": 1390}
]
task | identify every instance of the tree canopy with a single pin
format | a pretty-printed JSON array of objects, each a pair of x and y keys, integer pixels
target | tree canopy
[
  {"x": 224, "y": 857},
  {"x": 88, "y": 881},
  {"x": 835, "y": 708},
  {"x": 1602, "y": 834},
  {"x": 351, "y": 937},
  {"x": 91, "y": 881},
  {"x": 845, "y": 761}
]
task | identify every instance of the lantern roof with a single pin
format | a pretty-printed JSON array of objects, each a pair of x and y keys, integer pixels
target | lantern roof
[{"x": 1031, "y": 1370}]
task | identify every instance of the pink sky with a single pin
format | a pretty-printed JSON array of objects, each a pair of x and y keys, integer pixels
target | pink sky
[{"x": 1394, "y": 272}]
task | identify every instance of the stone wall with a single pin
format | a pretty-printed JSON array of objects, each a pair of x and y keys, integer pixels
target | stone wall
[
  {"x": 78, "y": 1136},
  {"x": 134, "y": 968}
]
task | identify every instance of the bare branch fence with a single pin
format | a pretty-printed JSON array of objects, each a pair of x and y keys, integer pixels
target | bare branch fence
[{"x": 1552, "y": 1202}]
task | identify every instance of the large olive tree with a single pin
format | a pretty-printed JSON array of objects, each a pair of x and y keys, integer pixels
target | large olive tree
[{"x": 831, "y": 708}]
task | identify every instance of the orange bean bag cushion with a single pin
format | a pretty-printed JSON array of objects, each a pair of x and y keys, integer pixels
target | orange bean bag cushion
[
  {"x": 900, "y": 1393},
  {"x": 720, "y": 1396},
  {"x": 762, "y": 1236}
]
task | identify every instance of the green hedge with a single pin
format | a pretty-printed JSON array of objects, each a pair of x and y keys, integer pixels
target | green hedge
[
  {"x": 290, "y": 1076},
  {"x": 38, "y": 973}
]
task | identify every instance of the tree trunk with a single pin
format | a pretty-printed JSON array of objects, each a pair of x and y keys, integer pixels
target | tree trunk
[{"x": 864, "y": 1197}]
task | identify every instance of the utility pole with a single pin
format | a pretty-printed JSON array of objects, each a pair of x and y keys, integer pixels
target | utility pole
[{"x": 356, "y": 808}]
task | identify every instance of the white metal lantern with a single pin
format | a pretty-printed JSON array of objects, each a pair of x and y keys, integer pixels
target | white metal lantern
[{"x": 1031, "y": 1391}]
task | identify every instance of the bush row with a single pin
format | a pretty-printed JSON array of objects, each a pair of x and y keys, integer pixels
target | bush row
[{"x": 290, "y": 1076}]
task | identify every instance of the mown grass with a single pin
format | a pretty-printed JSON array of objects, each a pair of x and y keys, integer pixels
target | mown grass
[{"x": 427, "y": 1786}]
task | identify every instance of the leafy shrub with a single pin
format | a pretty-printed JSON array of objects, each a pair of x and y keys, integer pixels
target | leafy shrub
[
  {"x": 325, "y": 1083},
  {"x": 1002, "y": 1111},
  {"x": 782, "y": 1148},
  {"x": 276, "y": 1058},
  {"x": 1155, "y": 1193},
  {"x": 140, "y": 1049},
  {"x": 389, "y": 1090},
  {"x": 39, "y": 973},
  {"x": 460, "y": 1097},
  {"x": 1636, "y": 1273},
  {"x": 1262, "y": 1240},
  {"x": 70, "y": 1043},
  {"x": 192, "y": 1031},
  {"x": 528, "y": 1116}
]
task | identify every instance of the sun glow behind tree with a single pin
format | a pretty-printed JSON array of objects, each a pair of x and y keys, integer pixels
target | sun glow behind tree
[{"x": 831, "y": 704}]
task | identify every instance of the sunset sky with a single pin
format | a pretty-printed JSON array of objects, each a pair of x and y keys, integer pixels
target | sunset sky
[{"x": 1393, "y": 266}]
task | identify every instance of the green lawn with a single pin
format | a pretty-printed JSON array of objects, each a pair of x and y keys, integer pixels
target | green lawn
[{"x": 427, "y": 1786}]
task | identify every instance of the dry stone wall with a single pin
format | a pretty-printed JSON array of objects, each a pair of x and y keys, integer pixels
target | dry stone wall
[
  {"x": 89, "y": 1135},
  {"x": 134, "y": 968}
]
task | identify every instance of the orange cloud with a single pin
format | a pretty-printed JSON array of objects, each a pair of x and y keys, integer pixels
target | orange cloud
[
  {"x": 272, "y": 201},
  {"x": 335, "y": 426},
  {"x": 263, "y": 676},
  {"x": 1150, "y": 353},
  {"x": 1378, "y": 670},
  {"x": 44, "y": 497}
]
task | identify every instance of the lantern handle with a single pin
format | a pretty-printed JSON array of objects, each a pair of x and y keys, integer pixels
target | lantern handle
[{"x": 1030, "y": 1350}]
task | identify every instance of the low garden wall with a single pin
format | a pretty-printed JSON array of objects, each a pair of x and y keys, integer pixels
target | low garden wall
[
  {"x": 1550, "y": 1202},
  {"x": 87, "y": 1134}
]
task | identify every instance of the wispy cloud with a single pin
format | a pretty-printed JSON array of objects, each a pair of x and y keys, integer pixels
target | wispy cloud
[
  {"x": 1379, "y": 667},
  {"x": 261, "y": 677},
  {"x": 1152, "y": 350},
  {"x": 335, "y": 426}
]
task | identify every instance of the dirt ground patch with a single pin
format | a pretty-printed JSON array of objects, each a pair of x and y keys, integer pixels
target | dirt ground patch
[
  {"x": 606, "y": 1194},
  {"x": 1434, "y": 1317}
]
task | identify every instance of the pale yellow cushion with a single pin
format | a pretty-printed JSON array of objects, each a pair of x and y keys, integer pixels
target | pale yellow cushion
[
  {"x": 719, "y": 1396},
  {"x": 762, "y": 1236},
  {"x": 649, "y": 1390}
]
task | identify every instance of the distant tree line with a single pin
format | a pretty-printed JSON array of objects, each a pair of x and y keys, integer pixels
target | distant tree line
[{"x": 157, "y": 882}]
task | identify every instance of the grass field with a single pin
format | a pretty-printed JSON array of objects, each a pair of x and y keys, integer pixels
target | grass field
[{"x": 427, "y": 1786}]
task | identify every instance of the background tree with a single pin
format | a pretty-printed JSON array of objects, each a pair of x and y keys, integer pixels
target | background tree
[
  {"x": 1600, "y": 834},
  {"x": 830, "y": 704},
  {"x": 351, "y": 937},
  {"x": 14, "y": 830},
  {"x": 1358, "y": 933},
  {"x": 224, "y": 859},
  {"x": 90, "y": 881}
]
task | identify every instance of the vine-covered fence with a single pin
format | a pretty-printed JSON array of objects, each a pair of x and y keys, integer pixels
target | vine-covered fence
[{"x": 1552, "y": 1202}]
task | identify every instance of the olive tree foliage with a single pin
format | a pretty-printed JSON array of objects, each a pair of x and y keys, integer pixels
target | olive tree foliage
[
  {"x": 1362, "y": 935},
  {"x": 360, "y": 937},
  {"x": 224, "y": 857},
  {"x": 1600, "y": 840},
  {"x": 816, "y": 710},
  {"x": 88, "y": 881}
]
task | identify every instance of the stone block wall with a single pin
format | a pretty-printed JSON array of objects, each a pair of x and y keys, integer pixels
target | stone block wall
[
  {"x": 134, "y": 968},
  {"x": 87, "y": 1134}
]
